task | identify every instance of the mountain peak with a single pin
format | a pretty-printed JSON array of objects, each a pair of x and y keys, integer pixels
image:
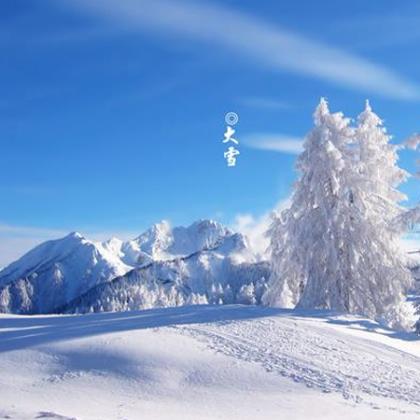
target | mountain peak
[
  {"x": 162, "y": 225},
  {"x": 75, "y": 235},
  {"x": 209, "y": 224}
]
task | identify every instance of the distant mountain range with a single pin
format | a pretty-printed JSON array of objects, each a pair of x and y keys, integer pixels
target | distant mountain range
[{"x": 164, "y": 266}]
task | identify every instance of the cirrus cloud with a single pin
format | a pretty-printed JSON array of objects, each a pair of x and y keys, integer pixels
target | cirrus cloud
[
  {"x": 261, "y": 41},
  {"x": 274, "y": 143}
]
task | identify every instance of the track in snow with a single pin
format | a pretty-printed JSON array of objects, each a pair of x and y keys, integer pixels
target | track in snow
[{"x": 313, "y": 352}]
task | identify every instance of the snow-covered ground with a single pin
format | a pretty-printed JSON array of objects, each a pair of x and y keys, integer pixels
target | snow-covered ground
[{"x": 206, "y": 362}]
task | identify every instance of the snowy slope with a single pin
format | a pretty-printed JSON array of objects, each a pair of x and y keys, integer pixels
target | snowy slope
[
  {"x": 56, "y": 272},
  {"x": 206, "y": 362}
]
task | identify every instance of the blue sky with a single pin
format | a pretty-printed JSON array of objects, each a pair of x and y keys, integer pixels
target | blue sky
[{"x": 112, "y": 112}]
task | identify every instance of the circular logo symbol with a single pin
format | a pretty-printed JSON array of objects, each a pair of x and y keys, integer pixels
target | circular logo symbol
[{"x": 231, "y": 118}]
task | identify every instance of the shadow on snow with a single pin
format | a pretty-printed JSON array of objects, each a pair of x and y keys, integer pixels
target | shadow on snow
[{"x": 21, "y": 332}]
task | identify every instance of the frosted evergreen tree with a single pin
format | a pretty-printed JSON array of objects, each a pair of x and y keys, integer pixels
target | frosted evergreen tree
[
  {"x": 379, "y": 175},
  {"x": 301, "y": 238},
  {"x": 246, "y": 294},
  {"x": 380, "y": 271},
  {"x": 370, "y": 277},
  {"x": 336, "y": 247}
]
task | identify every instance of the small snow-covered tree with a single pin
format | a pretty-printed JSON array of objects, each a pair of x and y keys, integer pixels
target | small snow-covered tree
[
  {"x": 246, "y": 294},
  {"x": 302, "y": 241}
]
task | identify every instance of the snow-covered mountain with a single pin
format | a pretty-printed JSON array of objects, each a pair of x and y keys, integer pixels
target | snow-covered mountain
[
  {"x": 203, "y": 277},
  {"x": 57, "y": 272},
  {"x": 162, "y": 242}
]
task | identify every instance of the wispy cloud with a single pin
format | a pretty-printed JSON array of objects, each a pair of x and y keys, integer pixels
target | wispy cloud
[
  {"x": 261, "y": 41},
  {"x": 255, "y": 227},
  {"x": 274, "y": 143}
]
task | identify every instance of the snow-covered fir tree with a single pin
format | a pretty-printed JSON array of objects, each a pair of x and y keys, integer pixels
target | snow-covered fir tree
[
  {"x": 377, "y": 276},
  {"x": 301, "y": 244},
  {"x": 336, "y": 247}
]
